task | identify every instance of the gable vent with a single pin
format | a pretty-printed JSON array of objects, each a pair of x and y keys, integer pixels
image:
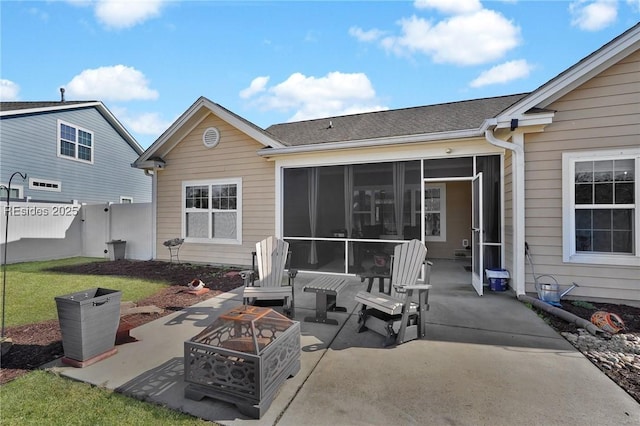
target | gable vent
[{"x": 211, "y": 137}]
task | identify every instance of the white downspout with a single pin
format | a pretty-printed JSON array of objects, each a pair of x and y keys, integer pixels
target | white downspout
[
  {"x": 517, "y": 147},
  {"x": 154, "y": 196}
]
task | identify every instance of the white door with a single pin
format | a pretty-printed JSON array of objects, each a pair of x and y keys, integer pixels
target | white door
[{"x": 477, "y": 243}]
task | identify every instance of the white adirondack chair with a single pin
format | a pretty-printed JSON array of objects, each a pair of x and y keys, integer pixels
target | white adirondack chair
[
  {"x": 396, "y": 316},
  {"x": 265, "y": 280}
]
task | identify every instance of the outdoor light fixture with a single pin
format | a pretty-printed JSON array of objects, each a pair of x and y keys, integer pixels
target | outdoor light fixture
[{"x": 6, "y": 343}]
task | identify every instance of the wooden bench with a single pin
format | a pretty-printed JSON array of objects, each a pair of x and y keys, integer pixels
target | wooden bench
[{"x": 326, "y": 288}]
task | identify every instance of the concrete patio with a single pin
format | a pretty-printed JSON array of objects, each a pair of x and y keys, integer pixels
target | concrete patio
[{"x": 485, "y": 360}]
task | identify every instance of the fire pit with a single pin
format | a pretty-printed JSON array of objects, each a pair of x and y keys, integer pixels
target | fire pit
[{"x": 243, "y": 358}]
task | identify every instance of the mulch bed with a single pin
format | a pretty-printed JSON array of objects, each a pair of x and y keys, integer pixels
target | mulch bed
[
  {"x": 37, "y": 344},
  {"x": 628, "y": 380}
]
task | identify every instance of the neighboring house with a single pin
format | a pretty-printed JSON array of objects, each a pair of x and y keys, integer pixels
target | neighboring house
[
  {"x": 556, "y": 168},
  {"x": 73, "y": 150}
]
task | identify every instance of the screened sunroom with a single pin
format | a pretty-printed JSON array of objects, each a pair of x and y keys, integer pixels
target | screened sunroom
[{"x": 348, "y": 218}]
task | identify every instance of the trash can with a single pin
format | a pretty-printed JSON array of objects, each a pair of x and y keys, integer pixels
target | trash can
[
  {"x": 498, "y": 279},
  {"x": 117, "y": 249},
  {"x": 89, "y": 321}
]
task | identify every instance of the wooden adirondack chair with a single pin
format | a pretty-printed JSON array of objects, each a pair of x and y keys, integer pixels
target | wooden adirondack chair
[
  {"x": 265, "y": 280},
  {"x": 396, "y": 316}
]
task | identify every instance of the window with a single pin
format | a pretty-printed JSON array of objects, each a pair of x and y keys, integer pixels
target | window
[
  {"x": 212, "y": 211},
  {"x": 435, "y": 212},
  {"x": 45, "y": 185},
  {"x": 16, "y": 191},
  {"x": 74, "y": 142},
  {"x": 600, "y": 214}
]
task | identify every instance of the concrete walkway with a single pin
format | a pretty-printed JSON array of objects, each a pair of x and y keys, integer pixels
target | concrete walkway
[{"x": 485, "y": 361}]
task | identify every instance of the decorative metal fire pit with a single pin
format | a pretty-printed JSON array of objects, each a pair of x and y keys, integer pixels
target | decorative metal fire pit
[{"x": 243, "y": 358}]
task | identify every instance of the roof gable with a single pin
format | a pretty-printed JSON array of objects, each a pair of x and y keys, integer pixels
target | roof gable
[
  {"x": 15, "y": 109},
  {"x": 194, "y": 115},
  {"x": 603, "y": 58}
]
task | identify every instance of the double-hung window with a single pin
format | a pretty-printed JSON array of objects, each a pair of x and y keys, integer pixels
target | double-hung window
[
  {"x": 600, "y": 218},
  {"x": 435, "y": 212},
  {"x": 212, "y": 211},
  {"x": 75, "y": 142}
]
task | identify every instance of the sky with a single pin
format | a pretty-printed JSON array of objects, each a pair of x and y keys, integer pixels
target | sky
[{"x": 272, "y": 62}]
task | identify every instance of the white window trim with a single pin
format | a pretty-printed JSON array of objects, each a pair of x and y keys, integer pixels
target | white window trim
[
  {"x": 20, "y": 189},
  {"x": 124, "y": 198},
  {"x": 233, "y": 181},
  {"x": 93, "y": 142},
  {"x": 569, "y": 253},
  {"x": 443, "y": 212},
  {"x": 35, "y": 187}
]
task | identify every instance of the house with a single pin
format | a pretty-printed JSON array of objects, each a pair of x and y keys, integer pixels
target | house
[
  {"x": 69, "y": 150},
  {"x": 555, "y": 168}
]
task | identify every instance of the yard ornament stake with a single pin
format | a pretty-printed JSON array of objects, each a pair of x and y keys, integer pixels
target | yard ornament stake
[{"x": 5, "y": 343}]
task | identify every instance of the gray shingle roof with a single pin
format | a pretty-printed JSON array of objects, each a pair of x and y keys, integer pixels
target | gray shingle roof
[
  {"x": 454, "y": 116},
  {"x": 19, "y": 105}
]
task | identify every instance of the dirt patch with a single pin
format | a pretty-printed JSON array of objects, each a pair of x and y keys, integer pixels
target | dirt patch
[{"x": 37, "y": 344}]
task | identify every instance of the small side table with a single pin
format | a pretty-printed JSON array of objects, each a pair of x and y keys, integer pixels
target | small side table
[{"x": 326, "y": 289}]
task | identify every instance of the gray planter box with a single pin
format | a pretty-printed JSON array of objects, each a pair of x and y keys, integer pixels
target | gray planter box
[
  {"x": 117, "y": 249},
  {"x": 88, "y": 322}
]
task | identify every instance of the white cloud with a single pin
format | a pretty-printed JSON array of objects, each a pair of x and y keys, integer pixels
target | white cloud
[
  {"x": 141, "y": 124},
  {"x": 8, "y": 90},
  {"x": 454, "y": 7},
  {"x": 80, "y": 3},
  {"x": 362, "y": 35},
  {"x": 120, "y": 14},
  {"x": 593, "y": 15},
  {"x": 39, "y": 13},
  {"x": 315, "y": 97},
  {"x": 257, "y": 85},
  {"x": 503, "y": 73},
  {"x": 468, "y": 39},
  {"x": 149, "y": 123},
  {"x": 115, "y": 83}
]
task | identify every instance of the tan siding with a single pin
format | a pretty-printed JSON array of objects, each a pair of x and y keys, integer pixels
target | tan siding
[
  {"x": 603, "y": 113},
  {"x": 234, "y": 157}
]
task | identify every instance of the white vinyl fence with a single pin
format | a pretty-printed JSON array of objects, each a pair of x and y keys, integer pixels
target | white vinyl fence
[{"x": 42, "y": 231}]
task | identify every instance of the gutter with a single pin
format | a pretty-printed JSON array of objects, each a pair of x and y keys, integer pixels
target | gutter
[
  {"x": 517, "y": 147},
  {"x": 489, "y": 136},
  {"x": 365, "y": 143}
]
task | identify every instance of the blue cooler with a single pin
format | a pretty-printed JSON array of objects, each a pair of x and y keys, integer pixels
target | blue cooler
[{"x": 498, "y": 279}]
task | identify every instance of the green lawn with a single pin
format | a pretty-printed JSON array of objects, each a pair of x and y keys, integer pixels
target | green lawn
[
  {"x": 31, "y": 289},
  {"x": 41, "y": 398}
]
